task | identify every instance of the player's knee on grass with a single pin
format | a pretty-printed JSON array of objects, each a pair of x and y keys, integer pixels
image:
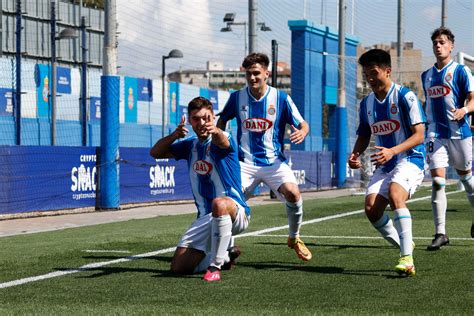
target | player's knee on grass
[{"x": 185, "y": 260}]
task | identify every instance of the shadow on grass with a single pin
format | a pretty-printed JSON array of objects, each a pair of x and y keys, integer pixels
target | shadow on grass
[
  {"x": 284, "y": 266},
  {"x": 107, "y": 271},
  {"x": 338, "y": 246},
  {"x": 449, "y": 210}
]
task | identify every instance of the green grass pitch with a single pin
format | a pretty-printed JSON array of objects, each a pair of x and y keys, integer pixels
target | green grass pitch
[{"x": 351, "y": 272}]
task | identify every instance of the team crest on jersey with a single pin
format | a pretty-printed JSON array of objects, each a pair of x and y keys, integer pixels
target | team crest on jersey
[
  {"x": 257, "y": 124},
  {"x": 438, "y": 91},
  {"x": 448, "y": 77},
  {"x": 393, "y": 109},
  {"x": 202, "y": 167},
  {"x": 271, "y": 110},
  {"x": 386, "y": 127}
]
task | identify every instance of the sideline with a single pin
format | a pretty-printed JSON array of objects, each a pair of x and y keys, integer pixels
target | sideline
[{"x": 90, "y": 266}]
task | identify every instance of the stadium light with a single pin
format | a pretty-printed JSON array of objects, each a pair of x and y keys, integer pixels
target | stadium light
[
  {"x": 229, "y": 19},
  {"x": 174, "y": 53}
]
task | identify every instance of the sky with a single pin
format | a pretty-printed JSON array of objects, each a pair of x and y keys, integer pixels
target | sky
[{"x": 149, "y": 29}]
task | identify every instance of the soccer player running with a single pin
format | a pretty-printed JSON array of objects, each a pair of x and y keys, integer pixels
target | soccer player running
[
  {"x": 394, "y": 115},
  {"x": 215, "y": 179},
  {"x": 449, "y": 93},
  {"x": 262, "y": 113}
]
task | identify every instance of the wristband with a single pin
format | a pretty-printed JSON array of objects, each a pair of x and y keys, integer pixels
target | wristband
[{"x": 465, "y": 110}]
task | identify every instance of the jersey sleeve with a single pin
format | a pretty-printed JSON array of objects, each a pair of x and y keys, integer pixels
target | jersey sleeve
[
  {"x": 416, "y": 112},
  {"x": 230, "y": 109},
  {"x": 181, "y": 149},
  {"x": 364, "y": 127},
  {"x": 292, "y": 113},
  {"x": 222, "y": 152},
  {"x": 466, "y": 80}
]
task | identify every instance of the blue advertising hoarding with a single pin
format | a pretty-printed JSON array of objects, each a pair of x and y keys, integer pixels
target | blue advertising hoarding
[
  {"x": 145, "y": 179},
  {"x": 63, "y": 80},
  {"x": 174, "y": 103},
  {"x": 145, "y": 89},
  {"x": 40, "y": 178},
  {"x": 6, "y": 102},
  {"x": 94, "y": 108},
  {"x": 46, "y": 178},
  {"x": 130, "y": 99},
  {"x": 42, "y": 90}
]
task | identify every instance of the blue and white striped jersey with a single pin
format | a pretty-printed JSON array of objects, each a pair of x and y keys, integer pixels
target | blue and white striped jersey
[
  {"x": 213, "y": 172},
  {"x": 390, "y": 121},
  {"x": 261, "y": 124},
  {"x": 445, "y": 90}
]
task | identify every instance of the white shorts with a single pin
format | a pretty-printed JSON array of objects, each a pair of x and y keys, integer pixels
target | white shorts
[
  {"x": 442, "y": 153},
  {"x": 198, "y": 235},
  {"x": 273, "y": 176},
  {"x": 405, "y": 173}
]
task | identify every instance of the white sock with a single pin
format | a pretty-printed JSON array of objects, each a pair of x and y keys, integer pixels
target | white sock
[
  {"x": 294, "y": 211},
  {"x": 402, "y": 222},
  {"x": 439, "y": 204},
  {"x": 221, "y": 234},
  {"x": 204, "y": 264},
  {"x": 468, "y": 183},
  {"x": 385, "y": 226}
]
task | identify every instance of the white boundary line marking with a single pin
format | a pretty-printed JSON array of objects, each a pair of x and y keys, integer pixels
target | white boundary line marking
[
  {"x": 106, "y": 251},
  {"x": 167, "y": 250}
]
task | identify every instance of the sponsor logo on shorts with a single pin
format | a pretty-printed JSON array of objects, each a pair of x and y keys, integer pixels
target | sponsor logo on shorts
[
  {"x": 438, "y": 91},
  {"x": 385, "y": 127},
  {"x": 202, "y": 167},
  {"x": 257, "y": 124}
]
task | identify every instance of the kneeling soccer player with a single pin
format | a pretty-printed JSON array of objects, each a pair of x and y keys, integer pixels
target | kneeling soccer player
[{"x": 214, "y": 172}]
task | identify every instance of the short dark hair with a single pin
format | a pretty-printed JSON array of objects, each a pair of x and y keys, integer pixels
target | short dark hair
[
  {"x": 198, "y": 103},
  {"x": 256, "y": 58},
  {"x": 377, "y": 57},
  {"x": 442, "y": 31}
]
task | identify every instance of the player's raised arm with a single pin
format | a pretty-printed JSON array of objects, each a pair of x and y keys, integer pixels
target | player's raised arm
[
  {"x": 162, "y": 147},
  {"x": 218, "y": 137},
  {"x": 221, "y": 123}
]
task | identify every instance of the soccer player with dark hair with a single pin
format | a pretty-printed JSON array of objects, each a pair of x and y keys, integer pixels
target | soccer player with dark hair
[
  {"x": 214, "y": 173},
  {"x": 449, "y": 93},
  {"x": 262, "y": 113},
  {"x": 394, "y": 115}
]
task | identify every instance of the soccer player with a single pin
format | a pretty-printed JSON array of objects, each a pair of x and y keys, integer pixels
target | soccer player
[
  {"x": 449, "y": 93},
  {"x": 262, "y": 113},
  {"x": 222, "y": 212},
  {"x": 394, "y": 115}
]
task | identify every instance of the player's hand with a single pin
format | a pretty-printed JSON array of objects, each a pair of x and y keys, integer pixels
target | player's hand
[
  {"x": 209, "y": 126},
  {"x": 382, "y": 155},
  {"x": 297, "y": 136},
  {"x": 181, "y": 131},
  {"x": 354, "y": 161},
  {"x": 459, "y": 114}
]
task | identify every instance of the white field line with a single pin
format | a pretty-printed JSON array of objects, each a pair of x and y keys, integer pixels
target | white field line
[
  {"x": 167, "y": 250},
  {"x": 106, "y": 251}
]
